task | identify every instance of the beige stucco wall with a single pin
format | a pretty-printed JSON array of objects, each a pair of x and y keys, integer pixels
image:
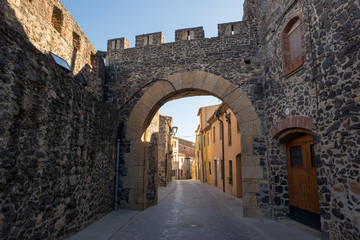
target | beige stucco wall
[{"x": 231, "y": 151}]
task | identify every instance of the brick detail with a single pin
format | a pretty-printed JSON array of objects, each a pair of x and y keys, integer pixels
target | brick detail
[{"x": 299, "y": 122}]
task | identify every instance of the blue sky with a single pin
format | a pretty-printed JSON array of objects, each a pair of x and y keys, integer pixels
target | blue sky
[
  {"x": 102, "y": 20},
  {"x": 108, "y": 19}
]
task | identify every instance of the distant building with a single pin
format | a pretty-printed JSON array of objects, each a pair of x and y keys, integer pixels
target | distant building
[
  {"x": 232, "y": 151},
  {"x": 183, "y": 153},
  {"x": 203, "y": 148}
]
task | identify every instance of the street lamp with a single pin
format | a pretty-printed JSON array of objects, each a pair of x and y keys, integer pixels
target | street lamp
[{"x": 174, "y": 130}]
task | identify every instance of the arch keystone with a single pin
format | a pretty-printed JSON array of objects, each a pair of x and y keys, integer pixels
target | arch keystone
[{"x": 187, "y": 79}]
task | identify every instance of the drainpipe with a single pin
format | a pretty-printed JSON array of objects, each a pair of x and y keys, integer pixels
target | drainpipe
[
  {"x": 119, "y": 135},
  {"x": 223, "y": 154},
  {"x": 217, "y": 115}
]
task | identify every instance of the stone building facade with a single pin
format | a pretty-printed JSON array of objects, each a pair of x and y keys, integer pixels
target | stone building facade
[
  {"x": 57, "y": 151},
  {"x": 164, "y": 147},
  {"x": 58, "y": 129}
]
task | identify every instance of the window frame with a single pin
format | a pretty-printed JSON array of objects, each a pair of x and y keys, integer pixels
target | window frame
[{"x": 290, "y": 67}]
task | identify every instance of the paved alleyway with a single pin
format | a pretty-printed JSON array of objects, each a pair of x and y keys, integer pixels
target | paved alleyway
[{"x": 192, "y": 210}]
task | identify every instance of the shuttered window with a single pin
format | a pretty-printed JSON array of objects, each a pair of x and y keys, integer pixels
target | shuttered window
[{"x": 295, "y": 44}]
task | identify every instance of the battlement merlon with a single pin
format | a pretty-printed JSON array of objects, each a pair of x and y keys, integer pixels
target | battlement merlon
[
  {"x": 186, "y": 34},
  {"x": 117, "y": 44},
  {"x": 149, "y": 39},
  {"x": 232, "y": 28},
  {"x": 189, "y": 34}
]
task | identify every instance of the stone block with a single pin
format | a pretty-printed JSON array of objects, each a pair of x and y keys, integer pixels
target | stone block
[
  {"x": 252, "y": 172},
  {"x": 139, "y": 114},
  {"x": 240, "y": 103},
  {"x": 232, "y": 94},
  {"x": 137, "y": 146},
  {"x": 134, "y": 159},
  {"x": 199, "y": 79},
  {"x": 176, "y": 81},
  {"x": 149, "y": 100},
  {"x": 251, "y": 185},
  {"x": 249, "y": 128},
  {"x": 160, "y": 89},
  {"x": 187, "y": 79},
  {"x": 246, "y": 115},
  {"x": 221, "y": 87},
  {"x": 136, "y": 171},
  {"x": 246, "y": 146},
  {"x": 250, "y": 160},
  {"x": 134, "y": 132},
  {"x": 133, "y": 183},
  {"x": 210, "y": 82},
  {"x": 138, "y": 196}
]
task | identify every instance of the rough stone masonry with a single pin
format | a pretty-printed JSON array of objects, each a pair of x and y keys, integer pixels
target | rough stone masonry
[{"x": 58, "y": 128}]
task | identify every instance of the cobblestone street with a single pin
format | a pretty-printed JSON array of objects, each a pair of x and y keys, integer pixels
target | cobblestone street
[{"x": 192, "y": 210}]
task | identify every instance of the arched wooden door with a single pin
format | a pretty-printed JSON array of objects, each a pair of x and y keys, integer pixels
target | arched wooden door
[{"x": 303, "y": 193}]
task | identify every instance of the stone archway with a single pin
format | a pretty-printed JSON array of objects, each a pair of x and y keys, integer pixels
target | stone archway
[{"x": 193, "y": 83}]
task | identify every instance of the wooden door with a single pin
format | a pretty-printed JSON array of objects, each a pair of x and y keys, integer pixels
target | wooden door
[
  {"x": 238, "y": 176},
  {"x": 303, "y": 193}
]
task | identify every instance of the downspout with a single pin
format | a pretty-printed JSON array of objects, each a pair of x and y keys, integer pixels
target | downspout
[
  {"x": 223, "y": 154},
  {"x": 217, "y": 115},
  {"x": 118, "y": 139}
]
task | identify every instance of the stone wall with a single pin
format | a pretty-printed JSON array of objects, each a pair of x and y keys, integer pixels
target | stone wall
[
  {"x": 151, "y": 166},
  {"x": 57, "y": 142},
  {"x": 327, "y": 90},
  {"x": 51, "y": 28},
  {"x": 164, "y": 161}
]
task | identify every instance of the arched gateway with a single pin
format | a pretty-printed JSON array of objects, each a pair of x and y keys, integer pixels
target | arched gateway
[{"x": 176, "y": 86}]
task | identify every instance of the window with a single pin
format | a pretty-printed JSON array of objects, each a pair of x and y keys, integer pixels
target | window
[
  {"x": 296, "y": 156},
  {"x": 230, "y": 172},
  {"x": 293, "y": 46},
  {"x": 221, "y": 134},
  {"x": 237, "y": 126},
  {"x": 209, "y": 167},
  {"x": 213, "y": 134},
  {"x": 204, "y": 140},
  {"x": 57, "y": 19},
  {"x": 208, "y": 138}
]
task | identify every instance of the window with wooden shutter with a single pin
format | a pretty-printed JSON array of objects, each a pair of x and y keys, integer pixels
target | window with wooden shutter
[{"x": 293, "y": 46}]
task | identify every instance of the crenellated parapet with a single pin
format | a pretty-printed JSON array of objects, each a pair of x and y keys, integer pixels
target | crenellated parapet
[{"x": 242, "y": 29}]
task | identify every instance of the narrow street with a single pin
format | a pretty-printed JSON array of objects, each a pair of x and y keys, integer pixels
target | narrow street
[{"x": 191, "y": 210}]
